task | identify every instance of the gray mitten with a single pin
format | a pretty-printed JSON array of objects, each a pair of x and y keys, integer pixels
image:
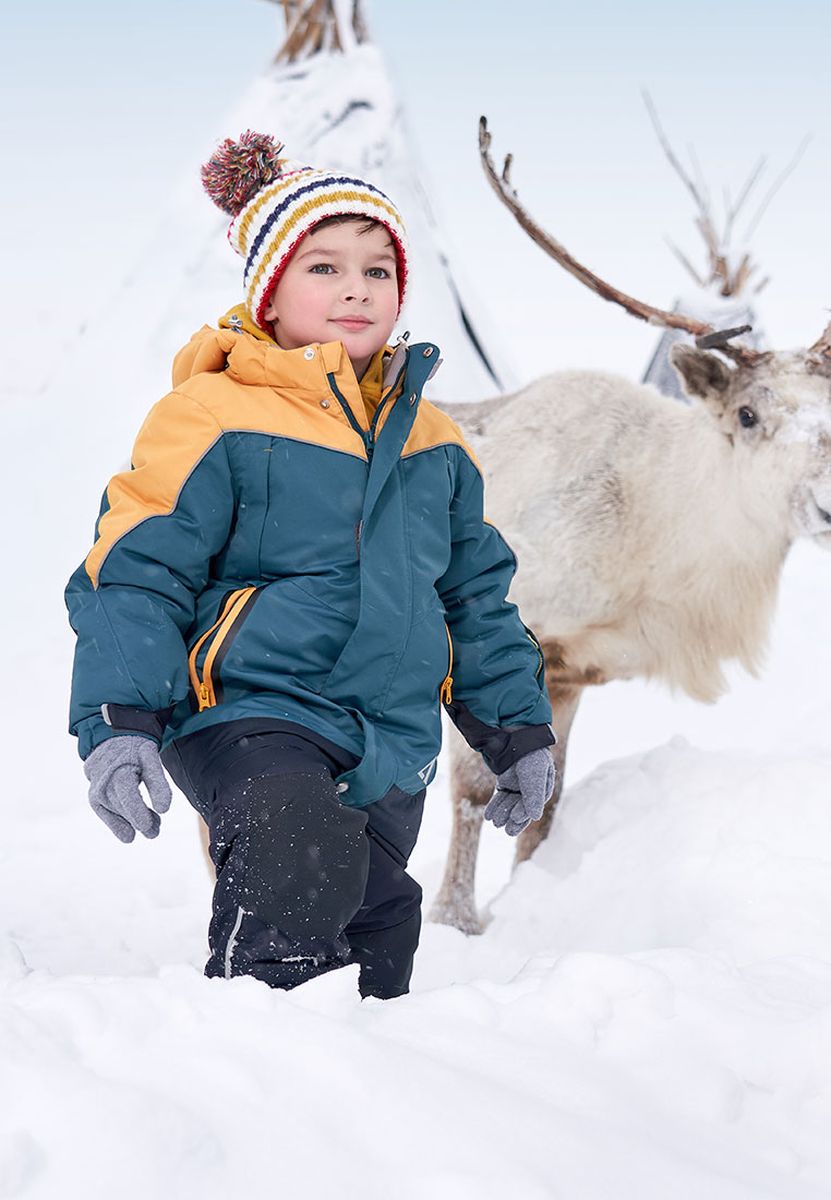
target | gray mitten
[
  {"x": 522, "y": 791},
  {"x": 115, "y": 769}
]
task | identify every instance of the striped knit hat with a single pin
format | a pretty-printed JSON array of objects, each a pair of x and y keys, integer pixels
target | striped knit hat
[{"x": 275, "y": 202}]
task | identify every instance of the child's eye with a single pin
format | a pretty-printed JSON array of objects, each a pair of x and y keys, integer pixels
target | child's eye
[
  {"x": 383, "y": 273},
  {"x": 321, "y": 268}
]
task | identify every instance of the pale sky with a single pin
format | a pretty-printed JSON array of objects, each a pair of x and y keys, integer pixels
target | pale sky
[{"x": 102, "y": 102}]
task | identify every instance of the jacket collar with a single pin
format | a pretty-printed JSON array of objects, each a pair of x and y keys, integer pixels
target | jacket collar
[
  {"x": 252, "y": 357},
  {"x": 255, "y": 358}
]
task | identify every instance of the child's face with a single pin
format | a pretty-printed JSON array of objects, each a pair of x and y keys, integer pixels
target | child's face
[{"x": 340, "y": 285}]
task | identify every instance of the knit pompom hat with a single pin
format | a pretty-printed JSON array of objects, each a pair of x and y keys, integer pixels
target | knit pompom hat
[{"x": 275, "y": 202}]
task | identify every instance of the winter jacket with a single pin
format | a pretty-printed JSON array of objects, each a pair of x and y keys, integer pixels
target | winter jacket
[{"x": 277, "y": 553}]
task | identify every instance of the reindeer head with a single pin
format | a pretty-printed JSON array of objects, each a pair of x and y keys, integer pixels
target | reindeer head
[{"x": 775, "y": 411}]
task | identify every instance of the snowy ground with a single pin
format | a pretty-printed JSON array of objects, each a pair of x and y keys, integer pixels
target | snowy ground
[{"x": 648, "y": 1013}]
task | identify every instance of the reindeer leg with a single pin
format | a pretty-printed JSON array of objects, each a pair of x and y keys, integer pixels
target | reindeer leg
[
  {"x": 472, "y": 786},
  {"x": 564, "y": 701}
]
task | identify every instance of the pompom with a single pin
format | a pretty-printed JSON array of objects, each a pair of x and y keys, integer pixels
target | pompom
[{"x": 237, "y": 170}]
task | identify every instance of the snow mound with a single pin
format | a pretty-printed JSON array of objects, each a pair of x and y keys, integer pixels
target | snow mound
[{"x": 655, "y": 984}]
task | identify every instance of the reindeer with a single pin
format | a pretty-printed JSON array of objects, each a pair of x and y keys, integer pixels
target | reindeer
[{"x": 651, "y": 534}]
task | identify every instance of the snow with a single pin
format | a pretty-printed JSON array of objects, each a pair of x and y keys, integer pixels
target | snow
[{"x": 647, "y": 1014}]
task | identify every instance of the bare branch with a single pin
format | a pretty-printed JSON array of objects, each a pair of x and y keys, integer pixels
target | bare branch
[
  {"x": 294, "y": 16},
  {"x": 359, "y": 25},
  {"x": 313, "y": 25},
  {"x": 721, "y": 272},
  {"x": 726, "y": 198},
  {"x": 745, "y": 192},
  {"x": 709, "y": 232},
  {"x": 741, "y": 274},
  {"x": 685, "y": 262},
  {"x": 702, "y": 182},
  {"x": 778, "y": 183},
  {"x": 669, "y": 152}
]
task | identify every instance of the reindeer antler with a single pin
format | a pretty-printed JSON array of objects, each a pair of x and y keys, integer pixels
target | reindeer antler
[
  {"x": 719, "y": 339},
  {"x": 501, "y": 184}
]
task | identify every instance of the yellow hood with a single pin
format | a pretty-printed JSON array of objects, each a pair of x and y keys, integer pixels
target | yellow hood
[{"x": 252, "y": 357}]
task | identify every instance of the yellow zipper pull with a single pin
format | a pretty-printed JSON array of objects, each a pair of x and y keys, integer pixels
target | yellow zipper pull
[
  {"x": 446, "y": 689},
  {"x": 204, "y": 696}
]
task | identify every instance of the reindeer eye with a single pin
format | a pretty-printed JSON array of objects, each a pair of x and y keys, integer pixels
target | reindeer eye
[{"x": 747, "y": 417}]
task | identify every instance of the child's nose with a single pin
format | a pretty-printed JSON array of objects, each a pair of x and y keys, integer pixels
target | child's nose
[{"x": 356, "y": 288}]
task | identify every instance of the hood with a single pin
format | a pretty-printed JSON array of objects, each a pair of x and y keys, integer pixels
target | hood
[
  {"x": 251, "y": 356},
  {"x": 209, "y": 348}
]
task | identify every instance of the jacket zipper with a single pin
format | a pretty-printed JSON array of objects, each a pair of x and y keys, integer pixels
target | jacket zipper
[
  {"x": 367, "y": 435},
  {"x": 446, "y": 689},
  {"x": 231, "y": 609},
  {"x": 390, "y": 390},
  {"x": 538, "y": 648}
]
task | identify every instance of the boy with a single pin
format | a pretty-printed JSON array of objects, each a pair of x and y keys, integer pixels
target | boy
[{"x": 290, "y": 580}]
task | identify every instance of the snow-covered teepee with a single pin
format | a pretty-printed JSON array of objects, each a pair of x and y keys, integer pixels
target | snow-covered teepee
[
  {"x": 328, "y": 97},
  {"x": 722, "y": 294}
]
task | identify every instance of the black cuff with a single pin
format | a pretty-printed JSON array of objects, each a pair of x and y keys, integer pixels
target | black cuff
[
  {"x": 136, "y": 720},
  {"x": 500, "y": 748}
]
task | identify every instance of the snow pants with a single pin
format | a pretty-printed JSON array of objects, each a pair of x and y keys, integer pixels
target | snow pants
[{"x": 304, "y": 883}]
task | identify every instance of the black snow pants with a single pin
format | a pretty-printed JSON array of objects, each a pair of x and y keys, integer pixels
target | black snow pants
[{"x": 304, "y": 883}]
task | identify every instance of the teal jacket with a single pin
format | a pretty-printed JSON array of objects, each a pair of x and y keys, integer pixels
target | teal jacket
[{"x": 281, "y": 550}]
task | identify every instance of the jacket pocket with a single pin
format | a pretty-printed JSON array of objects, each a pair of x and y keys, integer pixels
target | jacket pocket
[
  {"x": 215, "y": 643},
  {"x": 446, "y": 689}
]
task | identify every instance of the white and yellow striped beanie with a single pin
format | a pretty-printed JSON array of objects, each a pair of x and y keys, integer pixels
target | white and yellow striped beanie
[{"x": 275, "y": 202}]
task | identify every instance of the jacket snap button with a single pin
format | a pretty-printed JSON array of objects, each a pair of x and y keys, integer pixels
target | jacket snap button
[
  {"x": 343, "y": 787},
  {"x": 308, "y": 352},
  {"x": 427, "y": 351},
  {"x": 324, "y": 404},
  {"x": 413, "y": 398}
]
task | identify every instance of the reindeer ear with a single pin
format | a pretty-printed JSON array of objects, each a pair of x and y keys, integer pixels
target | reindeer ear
[{"x": 702, "y": 374}]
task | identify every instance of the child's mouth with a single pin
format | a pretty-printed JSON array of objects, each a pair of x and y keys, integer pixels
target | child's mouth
[{"x": 352, "y": 322}]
